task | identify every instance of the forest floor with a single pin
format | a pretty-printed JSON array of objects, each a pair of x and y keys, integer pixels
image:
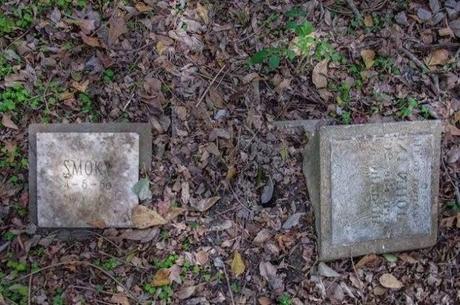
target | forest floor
[{"x": 212, "y": 77}]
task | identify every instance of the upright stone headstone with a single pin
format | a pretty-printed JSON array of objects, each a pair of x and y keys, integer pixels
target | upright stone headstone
[
  {"x": 374, "y": 187},
  {"x": 81, "y": 175}
]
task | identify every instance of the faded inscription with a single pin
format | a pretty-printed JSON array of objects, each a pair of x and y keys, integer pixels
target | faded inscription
[
  {"x": 380, "y": 187},
  {"x": 85, "y": 179}
]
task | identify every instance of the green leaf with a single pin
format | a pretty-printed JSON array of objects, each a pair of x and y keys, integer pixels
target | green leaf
[
  {"x": 305, "y": 29},
  {"x": 259, "y": 57},
  {"x": 274, "y": 62},
  {"x": 290, "y": 54},
  {"x": 142, "y": 189},
  {"x": 390, "y": 257},
  {"x": 19, "y": 289}
]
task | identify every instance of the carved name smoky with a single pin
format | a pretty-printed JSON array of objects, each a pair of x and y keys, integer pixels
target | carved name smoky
[{"x": 86, "y": 167}]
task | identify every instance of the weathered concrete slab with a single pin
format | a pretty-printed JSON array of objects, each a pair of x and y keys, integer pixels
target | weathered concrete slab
[
  {"x": 374, "y": 187},
  {"x": 81, "y": 175}
]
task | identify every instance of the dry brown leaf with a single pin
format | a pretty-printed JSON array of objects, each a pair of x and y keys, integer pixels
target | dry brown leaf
[
  {"x": 368, "y": 57},
  {"x": 161, "y": 47},
  {"x": 173, "y": 212},
  {"x": 264, "y": 301},
  {"x": 237, "y": 265},
  {"x": 82, "y": 86},
  {"x": 202, "y": 11},
  {"x": 262, "y": 236},
  {"x": 174, "y": 274},
  {"x": 11, "y": 150},
  {"x": 120, "y": 299},
  {"x": 205, "y": 204},
  {"x": 201, "y": 258},
  {"x": 319, "y": 75},
  {"x": 141, "y": 7},
  {"x": 117, "y": 27},
  {"x": 91, "y": 41},
  {"x": 368, "y": 260},
  {"x": 368, "y": 21},
  {"x": 66, "y": 95},
  {"x": 186, "y": 292},
  {"x": 437, "y": 58},
  {"x": 161, "y": 278},
  {"x": 143, "y": 217},
  {"x": 8, "y": 122},
  {"x": 388, "y": 280}
]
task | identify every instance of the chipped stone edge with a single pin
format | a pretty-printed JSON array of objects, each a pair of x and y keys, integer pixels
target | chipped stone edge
[
  {"x": 327, "y": 251},
  {"x": 145, "y": 157}
]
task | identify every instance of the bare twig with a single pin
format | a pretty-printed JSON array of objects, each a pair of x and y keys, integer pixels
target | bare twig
[
  {"x": 129, "y": 294},
  {"x": 228, "y": 284},
  {"x": 29, "y": 293},
  {"x": 209, "y": 86},
  {"x": 355, "y": 10}
]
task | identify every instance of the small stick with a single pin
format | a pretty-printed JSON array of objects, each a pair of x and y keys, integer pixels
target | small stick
[
  {"x": 355, "y": 10},
  {"x": 209, "y": 86},
  {"x": 29, "y": 293},
  {"x": 228, "y": 284}
]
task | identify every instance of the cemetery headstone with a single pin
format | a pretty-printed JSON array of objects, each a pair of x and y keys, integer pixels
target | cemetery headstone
[
  {"x": 81, "y": 175},
  {"x": 374, "y": 187}
]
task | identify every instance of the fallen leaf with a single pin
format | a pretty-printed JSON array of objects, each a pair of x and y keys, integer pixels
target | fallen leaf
[
  {"x": 368, "y": 57},
  {"x": 455, "y": 27},
  {"x": 185, "y": 192},
  {"x": 143, "y": 236},
  {"x": 161, "y": 48},
  {"x": 438, "y": 57},
  {"x": 262, "y": 236},
  {"x": 117, "y": 27},
  {"x": 11, "y": 149},
  {"x": 175, "y": 274},
  {"x": 292, "y": 221},
  {"x": 390, "y": 257},
  {"x": 201, "y": 257},
  {"x": 80, "y": 86},
  {"x": 141, "y": 7},
  {"x": 143, "y": 217},
  {"x": 161, "y": 278},
  {"x": 237, "y": 265},
  {"x": 388, "y": 280},
  {"x": 205, "y": 204},
  {"x": 202, "y": 11},
  {"x": 173, "y": 212},
  {"x": 453, "y": 155},
  {"x": 319, "y": 74},
  {"x": 368, "y": 260},
  {"x": 186, "y": 292},
  {"x": 368, "y": 21},
  {"x": 7, "y": 122},
  {"x": 327, "y": 271},
  {"x": 119, "y": 299},
  {"x": 264, "y": 301},
  {"x": 424, "y": 14},
  {"x": 142, "y": 189},
  {"x": 269, "y": 273},
  {"x": 91, "y": 41},
  {"x": 267, "y": 192}
]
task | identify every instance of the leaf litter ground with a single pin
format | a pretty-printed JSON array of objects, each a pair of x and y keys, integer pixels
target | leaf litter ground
[{"x": 212, "y": 78}]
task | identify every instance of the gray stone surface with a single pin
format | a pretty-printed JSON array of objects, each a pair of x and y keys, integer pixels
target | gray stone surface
[
  {"x": 81, "y": 175},
  {"x": 374, "y": 187}
]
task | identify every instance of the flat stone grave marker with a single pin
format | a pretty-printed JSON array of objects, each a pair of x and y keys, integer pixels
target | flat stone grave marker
[
  {"x": 374, "y": 187},
  {"x": 81, "y": 175}
]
